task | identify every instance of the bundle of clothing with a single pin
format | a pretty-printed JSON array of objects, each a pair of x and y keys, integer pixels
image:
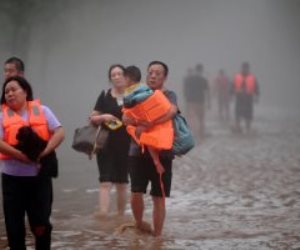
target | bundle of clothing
[{"x": 32, "y": 145}]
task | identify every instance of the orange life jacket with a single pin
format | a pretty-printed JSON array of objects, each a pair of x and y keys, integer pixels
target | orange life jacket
[
  {"x": 150, "y": 109},
  {"x": 160, "y": 136},
  {"x": 13, "y": 121},
  {"x": 249, "y": 80}
]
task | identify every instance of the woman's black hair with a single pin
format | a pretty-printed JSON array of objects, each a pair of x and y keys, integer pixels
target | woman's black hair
[
  {"x": 23, "y": 83},
  {"x": 114, "y": 66}
]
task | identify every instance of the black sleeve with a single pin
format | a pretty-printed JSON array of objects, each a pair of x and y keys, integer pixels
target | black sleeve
[{"x": 99, "y": 106}]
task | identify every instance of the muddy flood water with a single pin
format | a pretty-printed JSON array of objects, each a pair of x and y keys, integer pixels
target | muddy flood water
[{"x": 231, "y": 192}]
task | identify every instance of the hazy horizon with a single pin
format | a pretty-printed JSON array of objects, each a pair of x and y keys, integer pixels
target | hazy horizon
[{"x": 67, "y": 46}]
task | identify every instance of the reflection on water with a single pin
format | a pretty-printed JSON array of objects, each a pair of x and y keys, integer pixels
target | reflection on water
[{"x": 231, "y": 192}]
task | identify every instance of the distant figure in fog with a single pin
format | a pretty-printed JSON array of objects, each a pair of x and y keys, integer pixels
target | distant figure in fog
[
  {"x": 222, "y": 88},
  {"x": 13, "y": 66},
  {"x": 246, "y": 90},
  {"x": 25, "y": 189},
  {"x": 112, "y": 160},
  {"x": 196, "y": 92}
]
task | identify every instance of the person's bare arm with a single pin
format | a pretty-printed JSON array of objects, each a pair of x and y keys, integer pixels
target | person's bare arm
[
  {"x": 7, "y": 149},
  {"x": 55, "y": 140},
  {"x": 97, "y": 117}
]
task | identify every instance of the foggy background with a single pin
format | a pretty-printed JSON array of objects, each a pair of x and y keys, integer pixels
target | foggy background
[
  {"x": 68, "y": 45},
  {"x": 231, "y": 191}
]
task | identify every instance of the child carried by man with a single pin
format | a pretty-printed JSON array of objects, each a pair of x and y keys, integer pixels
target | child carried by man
[{"x": 147, "y": 107}]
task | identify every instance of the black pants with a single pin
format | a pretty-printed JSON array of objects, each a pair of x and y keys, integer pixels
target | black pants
[{"x": 31, "y": 195}]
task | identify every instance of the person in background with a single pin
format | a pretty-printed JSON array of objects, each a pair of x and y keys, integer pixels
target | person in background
[
  {"x": 23, "y": 189},
  {"x": 13, "y": 66},
  {"x": 245, "y": 88},
  {"x": 196, "y": 92},
  {"x": 222, "y": 88},
  {"x": 141, "y": 166},
  {"x": 112, "y": 160}
]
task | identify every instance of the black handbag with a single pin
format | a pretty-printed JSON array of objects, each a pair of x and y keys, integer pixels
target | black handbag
[
  {"x": 90, "y": 139},
  {"x": 49, "y": 165}
]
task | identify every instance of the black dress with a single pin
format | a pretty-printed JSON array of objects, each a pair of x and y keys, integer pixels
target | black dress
[{"x": 112, "y": 161}]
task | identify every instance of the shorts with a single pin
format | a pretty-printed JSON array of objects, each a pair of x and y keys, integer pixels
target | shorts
[
  {"x": 142, "y": 171},
  {"x": 244, "y": 107},
  {"x": 113, "y": 167}
]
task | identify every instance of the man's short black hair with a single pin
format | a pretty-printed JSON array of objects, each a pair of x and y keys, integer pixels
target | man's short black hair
[
  {"x": 133, "y": 73},
  {"x": 166, "y": 69},
  {"x": 16, "y": 61}
]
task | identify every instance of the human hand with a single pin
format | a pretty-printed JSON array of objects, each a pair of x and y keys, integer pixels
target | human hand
[
  {"x": 95, "y": 119},
  {"x": 42, "y": 154},
  {"x": 22, "y": 157}
]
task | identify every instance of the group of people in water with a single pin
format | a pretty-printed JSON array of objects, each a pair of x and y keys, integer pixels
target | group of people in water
[
  {"x": 139, "y": 148},
  {"x": 136, "y": 149},
  {"x": 243, "y": 87},
  {"x": 145, "y": 156}
]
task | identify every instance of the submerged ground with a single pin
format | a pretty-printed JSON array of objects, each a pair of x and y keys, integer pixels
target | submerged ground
[{"x": 231, "y": 192}]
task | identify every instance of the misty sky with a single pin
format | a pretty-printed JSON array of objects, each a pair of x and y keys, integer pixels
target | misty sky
[{"x": 68, "y": 45}]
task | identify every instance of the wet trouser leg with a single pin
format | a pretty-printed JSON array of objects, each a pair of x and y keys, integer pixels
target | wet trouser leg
[
  {"x": 34, "y": 196},
  {"x": 39, "y": 211},
  {"x": 13, "y": 191}
]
